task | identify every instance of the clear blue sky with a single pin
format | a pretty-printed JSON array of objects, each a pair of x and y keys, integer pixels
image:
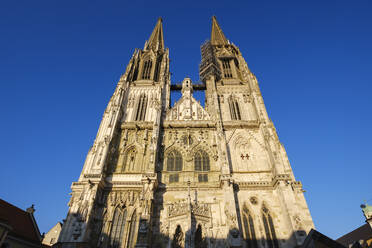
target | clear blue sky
[{"x": 60, "y": 62}]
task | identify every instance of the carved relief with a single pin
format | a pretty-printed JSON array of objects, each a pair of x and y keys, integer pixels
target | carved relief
[
  {"x": 230, "y": 217},
  {"x": 179, "y": 208},
  {"x": 248, "y": 154},
  {"x": 123, "y": 198}
]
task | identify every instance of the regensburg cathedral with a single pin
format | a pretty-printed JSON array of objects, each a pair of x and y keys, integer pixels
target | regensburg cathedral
[{"x": 186, "y": 175}]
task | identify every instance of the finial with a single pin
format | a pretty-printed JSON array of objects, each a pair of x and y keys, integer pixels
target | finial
[{"x": 31, "y": 209}]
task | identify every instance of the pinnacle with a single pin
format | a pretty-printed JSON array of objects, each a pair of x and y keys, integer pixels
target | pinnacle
[
  {"x": 217, "y": 36},
  {"x": 156, "y": 40}
]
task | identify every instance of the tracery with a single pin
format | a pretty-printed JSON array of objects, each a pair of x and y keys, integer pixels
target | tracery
[
  {"x": 201, "y": 164},
  {"x": 249, "y": 231},
  {"x": 117, "y": 228},
  {"x": 174, "y": 164},
  {"x": 234, "y": 109},
  {"x": 269, "y": 228}
]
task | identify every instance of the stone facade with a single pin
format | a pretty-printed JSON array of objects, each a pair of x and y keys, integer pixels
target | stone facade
[
  {"x": 186, "y": 176},
  {"x": 51, "y": 237}
]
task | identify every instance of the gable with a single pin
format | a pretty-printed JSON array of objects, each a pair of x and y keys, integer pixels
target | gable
[
  {"x": 187, "y": 109},
  {"x": 21, "y": 222}
]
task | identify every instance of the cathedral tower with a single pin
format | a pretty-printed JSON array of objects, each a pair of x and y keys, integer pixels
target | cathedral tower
[{"x": 183, "y": 175}]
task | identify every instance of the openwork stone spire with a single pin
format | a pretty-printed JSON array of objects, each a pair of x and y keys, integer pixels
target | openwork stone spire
[
  {"x": 217, "y": 36},
  {"x": 156, "y": 40}
]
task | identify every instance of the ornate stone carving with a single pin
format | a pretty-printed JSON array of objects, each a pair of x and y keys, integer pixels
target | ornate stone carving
[
  {"x": 179, "y": 208},
  {"x": 253, "y": 200},
  {"x": 246, "y": 160},
  {"x": 202, "y": 209},
  {"x": 230, "y": 217}
]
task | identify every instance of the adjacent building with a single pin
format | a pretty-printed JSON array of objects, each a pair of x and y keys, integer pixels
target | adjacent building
[
  {"x": 18, "y": 228},
  {"x": 362, "y": 236},
  {"x": 51, "y": 237}
]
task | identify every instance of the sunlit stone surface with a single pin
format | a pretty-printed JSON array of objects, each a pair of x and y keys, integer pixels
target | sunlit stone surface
[{"x": 186, "y": 176}]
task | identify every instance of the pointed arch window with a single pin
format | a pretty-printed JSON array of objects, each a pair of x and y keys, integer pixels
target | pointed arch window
[
  {"x": 201, "y": 161},
  {"x": 269, "y": 228},
  {"x": 146, "y": 71},
  {"x": 130, "y": 159},
  {"x": 132, "y": 231},
  {"x": 177, "y": 238},
  {"x": 174, "y": 163},
  {"x": 141, "y": 107},
  {"x": 227, "y": 73},
  {"x": 234, "y": 109},
  {"x": 249, "y": 232},
  {"x": 201, "y": 164},
  {"x": 117, "y": 227},
  {"x": 157, "y": 68},
  {"x": 198, "y": 240}
]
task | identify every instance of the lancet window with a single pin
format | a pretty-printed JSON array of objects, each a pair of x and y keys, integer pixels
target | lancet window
[
  {"x": 132, "y": 231},
  {"x": 157, "y": 69},
  {"x": 177, "y": 238},
  {"x": 227, "y": 73},
  {"x": 117, "y": 227},
  {"x": 132, "y": 76},
  {"x": 234, "y": 109},
  {"x": 141, "y": 107},
  {"x": 249, "y": 232},
  {"x": 146, "y": 71},
  {"x": 198, "y": 240},
  {"x": 174, "y": 163},
  {"x": 129, "y": 160},
  {"x": 269, "y": 228},
  {"x": 201, "y": 163}
]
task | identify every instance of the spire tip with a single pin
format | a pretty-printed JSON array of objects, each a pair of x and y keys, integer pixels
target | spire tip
[
  {"x": 156, "y": 40},
  {"x": 217, "y": 36}
]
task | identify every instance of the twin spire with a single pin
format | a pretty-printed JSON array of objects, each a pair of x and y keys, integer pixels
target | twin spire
[
  {"x": 217, "y": 36},
  {"x": 156, "y": 40}
]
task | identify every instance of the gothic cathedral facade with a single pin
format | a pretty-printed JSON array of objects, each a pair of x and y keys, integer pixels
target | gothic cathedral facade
[{"x": 186, "y": 175}]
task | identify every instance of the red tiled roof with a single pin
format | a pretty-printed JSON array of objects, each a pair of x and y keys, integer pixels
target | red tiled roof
[{"x": 22, "y": 222}]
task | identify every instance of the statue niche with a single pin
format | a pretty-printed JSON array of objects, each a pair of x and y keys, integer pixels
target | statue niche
[{"x": 128, "y": 161}]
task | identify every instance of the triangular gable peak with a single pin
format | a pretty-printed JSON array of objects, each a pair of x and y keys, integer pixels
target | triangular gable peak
[
  {"x": 225, "y": 52},
  {"x": 187, "y": 108}
]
